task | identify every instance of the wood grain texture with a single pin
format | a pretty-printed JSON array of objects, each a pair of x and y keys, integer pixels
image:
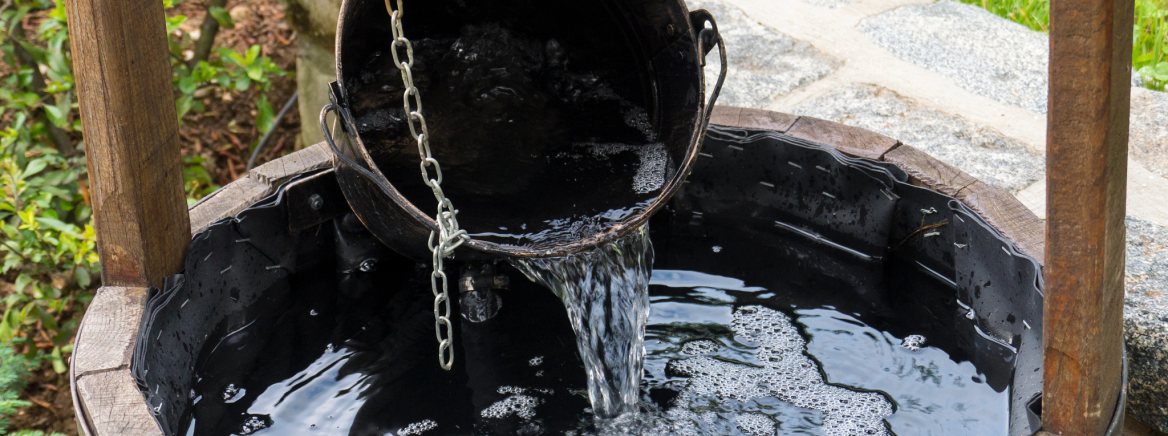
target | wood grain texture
[
  {"x": 1086, "y": 167},
  {"x": 752, "y": 118},
  {"x": 123, "y": 78},
  {"x": 851, "y": 140},
  {"x": 110, "y": 329},
  {"x": 114, "y": 406},
  {"x": 1009, "y": 216},
  {"x": 258, "y": 183},
  {"x": 999, "y": 208},
  {"x": 925, "y": 170}
]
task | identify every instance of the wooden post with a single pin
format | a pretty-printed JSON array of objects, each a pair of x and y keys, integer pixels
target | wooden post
[
  {"x": 1086, "y": 173},
  {"x": 123, "y": 75}
]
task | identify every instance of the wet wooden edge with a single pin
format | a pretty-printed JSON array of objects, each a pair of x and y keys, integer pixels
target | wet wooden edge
[{"x": 100, "y": 374}]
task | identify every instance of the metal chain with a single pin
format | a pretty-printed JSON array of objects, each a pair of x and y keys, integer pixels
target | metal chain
[{"x": 448, "y": 237}]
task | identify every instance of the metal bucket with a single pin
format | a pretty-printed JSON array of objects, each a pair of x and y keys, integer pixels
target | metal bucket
[{"x": 559, "y": 125}]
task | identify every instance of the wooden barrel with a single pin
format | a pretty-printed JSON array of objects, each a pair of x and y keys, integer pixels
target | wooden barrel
[{"x": 108, "y": 401}]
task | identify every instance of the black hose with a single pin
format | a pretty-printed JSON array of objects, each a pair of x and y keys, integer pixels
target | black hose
[{"x": 275, "y": 123}]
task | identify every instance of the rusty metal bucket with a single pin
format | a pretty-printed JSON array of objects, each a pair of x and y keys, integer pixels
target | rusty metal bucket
[{"x": 559, "y": 125}]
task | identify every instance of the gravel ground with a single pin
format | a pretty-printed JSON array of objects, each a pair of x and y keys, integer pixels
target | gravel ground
[
  {"x": 764, "y": 64},
  {"x": 980, "y": 151},
  {"x": 981, "y": 52}
]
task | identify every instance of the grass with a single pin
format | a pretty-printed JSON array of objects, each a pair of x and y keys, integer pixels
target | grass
[{"x": 1149, "y": 34}]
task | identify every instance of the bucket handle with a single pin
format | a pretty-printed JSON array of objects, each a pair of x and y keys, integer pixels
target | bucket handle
[
  {"x": 707, "y": 38},
  {"x": 334, "y": 106}
]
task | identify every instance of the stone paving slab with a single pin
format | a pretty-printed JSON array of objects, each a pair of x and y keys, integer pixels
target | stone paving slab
[
  {"x": 981, "y": 52},
  {"x": 764, "y": 64},
  {"x": 1149, "y": 130},
  {"x": 1146, "y": 321},
  {"x": 980, "y": 151}
]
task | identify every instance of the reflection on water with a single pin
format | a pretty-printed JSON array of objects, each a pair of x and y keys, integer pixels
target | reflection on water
[{"x": 753, "y": 353}]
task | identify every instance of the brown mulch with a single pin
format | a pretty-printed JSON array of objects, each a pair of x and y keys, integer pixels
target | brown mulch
[
  {"x": 225, "y": 132},
  {"x": 52, "y": 409}
]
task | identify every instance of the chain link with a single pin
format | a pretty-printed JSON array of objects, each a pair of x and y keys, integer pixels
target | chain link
[{"x": 448, "y": 237}]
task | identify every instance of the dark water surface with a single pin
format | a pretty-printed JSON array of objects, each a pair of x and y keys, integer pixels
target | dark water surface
[
  {"x": 750, "y": 333},
  {"x": 541, "y": 140}
]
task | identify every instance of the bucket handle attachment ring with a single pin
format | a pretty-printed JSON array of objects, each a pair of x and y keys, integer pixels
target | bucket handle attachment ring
[
  {"x": 334, "y": 106},
  {"x": 707, "y": 38}
]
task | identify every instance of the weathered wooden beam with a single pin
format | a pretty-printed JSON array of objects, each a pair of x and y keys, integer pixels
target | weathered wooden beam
[
  {"x": 1086, "y": 168},
  {"x": 123, "y": 78}
]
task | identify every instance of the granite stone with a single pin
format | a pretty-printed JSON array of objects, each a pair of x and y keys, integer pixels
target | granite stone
[
  {"x": 980, "y": 151},
  {"x": 1145, "y": 322},
  {"x": 763, "y": 63},
  {"x": 981, "y": 52}
]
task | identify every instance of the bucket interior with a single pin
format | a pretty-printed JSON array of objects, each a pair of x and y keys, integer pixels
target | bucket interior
[
  {"x": 270, "y": 331},
  {"x": 536, "y": 124}
]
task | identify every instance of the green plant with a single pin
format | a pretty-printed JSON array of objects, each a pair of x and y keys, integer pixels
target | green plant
[
  {"x": 1149, "y": 45},
  {"x": 241, "y": 72},
  {"x": 45, "y": 236},
  {"x": 47, "y": 242},
  {"x": 12, "y": 370},
  {"x": 1149, "y": 34}
]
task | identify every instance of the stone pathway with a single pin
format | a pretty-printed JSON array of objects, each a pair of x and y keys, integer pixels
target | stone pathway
[{"x": 969, "y": 88}]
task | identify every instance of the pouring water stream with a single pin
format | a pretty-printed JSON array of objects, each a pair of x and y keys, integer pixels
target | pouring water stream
[{"x": 606, "y": 294}]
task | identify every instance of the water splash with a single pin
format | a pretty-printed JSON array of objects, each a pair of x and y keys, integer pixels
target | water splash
[{"x": 606, "y": 293}]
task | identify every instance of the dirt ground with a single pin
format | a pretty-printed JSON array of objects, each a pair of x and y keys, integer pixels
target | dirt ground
[{"x": 225, "y": 132}]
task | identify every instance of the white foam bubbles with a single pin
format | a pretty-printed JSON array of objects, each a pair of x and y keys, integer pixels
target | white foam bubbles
[
  {"x": 418, "y": 428},
  {"x": 699, "y": 347},
  {"x": 913, "y": 342},
  {"x": 786, "y": 373},
  {"x": 654, "y": 161},
  {"x": 755, "y": 424},
  {"x": 522, "y": 406}
]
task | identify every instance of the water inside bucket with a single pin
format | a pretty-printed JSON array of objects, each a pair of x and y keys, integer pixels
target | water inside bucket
[
  {"x": 749, "y": 333},
  {"x": 542, "y": 141}
]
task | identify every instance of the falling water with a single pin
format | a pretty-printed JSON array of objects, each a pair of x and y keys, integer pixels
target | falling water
[{"x": 606, "y": 293}]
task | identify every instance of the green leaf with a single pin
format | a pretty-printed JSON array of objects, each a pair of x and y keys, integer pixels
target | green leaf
[
  {"x": 222, "y": 16},
  {"x": 59, "y": 114},
  {"x": 256, "y": 72},
  {"x": 188, "y": 85},
  {"x": 58, "y": 363},
  {"x": 82, "y": 276},
  {"x": 264, "y": 115},
  {"x": 57, "y": 225},
  {"x": 183, "y": 104},
  {"x": 35, "y": 166},
  {"x": 242, "y": 84},
  {"x": 22, "y": 281},
  {"x": 253, "y": 52},
  {"x": 1159, "y": 72}
]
